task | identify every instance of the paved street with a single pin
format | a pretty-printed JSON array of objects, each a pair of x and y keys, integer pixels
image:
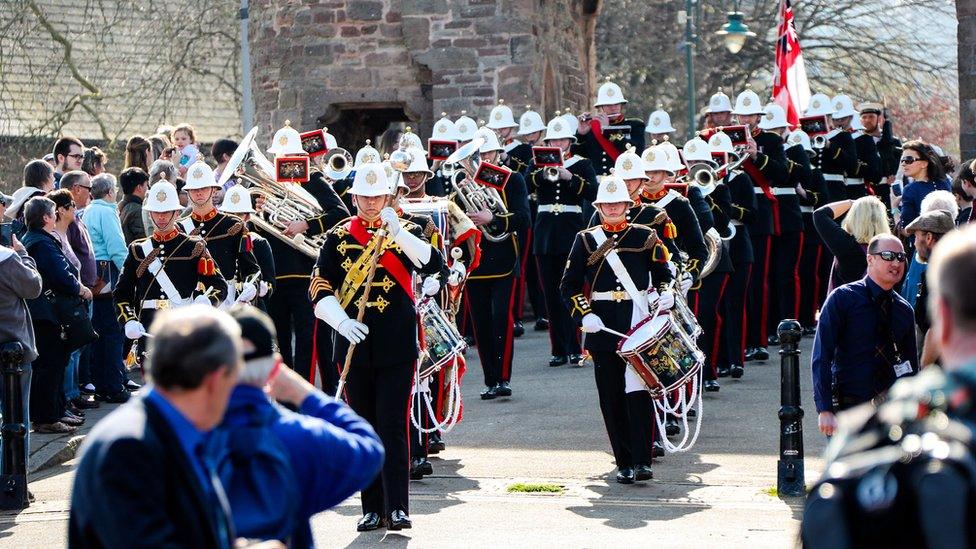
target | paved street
[{"x": 551, "y": 431}]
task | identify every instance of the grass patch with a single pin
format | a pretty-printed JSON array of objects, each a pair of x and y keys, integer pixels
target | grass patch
[
  {"x": 772, "y": 492},
  {"x": 530, "y": 488}
]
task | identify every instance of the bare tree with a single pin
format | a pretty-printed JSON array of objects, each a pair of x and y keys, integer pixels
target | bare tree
[{"x": 870, "y": 49}]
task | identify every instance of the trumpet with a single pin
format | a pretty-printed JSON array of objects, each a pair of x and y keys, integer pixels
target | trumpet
[
  {"x": 551, "y": 173},
  {"x": 819, "y": 141},
  {"x": 475, "y": 197},
  {"x": 338, "y": 164}
]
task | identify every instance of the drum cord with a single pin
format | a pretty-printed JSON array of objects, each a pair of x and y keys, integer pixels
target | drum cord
[
  {"x": 423, "y": 397},
  {"x": 681, "y": 409}
]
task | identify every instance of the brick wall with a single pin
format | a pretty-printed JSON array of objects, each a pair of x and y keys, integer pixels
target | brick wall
[{"x": 326, "y": 62}]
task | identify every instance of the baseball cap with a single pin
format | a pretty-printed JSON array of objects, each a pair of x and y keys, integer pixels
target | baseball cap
[
  {"x": 935, "y": 221},
  {"x": 256, "y": 328}
]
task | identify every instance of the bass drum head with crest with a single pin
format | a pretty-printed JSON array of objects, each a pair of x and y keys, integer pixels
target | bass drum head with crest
[{"x": 659, "y": 353}]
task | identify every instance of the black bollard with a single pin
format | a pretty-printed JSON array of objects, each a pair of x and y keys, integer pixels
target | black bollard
[
  {"x": 13, "y": 461},
  {"x": 790, "y": 477}
]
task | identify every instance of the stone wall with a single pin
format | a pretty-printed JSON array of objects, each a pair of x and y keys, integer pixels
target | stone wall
[{"x": 357, "y": 65}]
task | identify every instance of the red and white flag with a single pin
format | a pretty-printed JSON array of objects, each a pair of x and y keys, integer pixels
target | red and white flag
[{"x": 790, "y": 87}]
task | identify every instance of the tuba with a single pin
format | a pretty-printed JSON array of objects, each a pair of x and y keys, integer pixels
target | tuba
[
  {"x": 283, "y": 202},
  {"x": 475, "y": 197}
]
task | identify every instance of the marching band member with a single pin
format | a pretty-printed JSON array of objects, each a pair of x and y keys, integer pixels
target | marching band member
[
  {"x": 225, "y": 235},
  {"x": 878, "y": 126},
  {"x": 786, "y": 246},
  {"x": 659, "y": 125},
  {"x": 466, "y": 128},
  {"x": 559, "y": 218},
  {"x": 289, "y": 305},
  {"x": 811, "y": 191},
  {"x": 237, "y": 202},
  {"x": 166, "y": 270},
  {"x": 531, "y": 128},
  {"x": 606, "y": 134},
  {"x": 767, "y": 168},
  {"x": 516, "y": 155},
  {"x": 719, "y": 111},
  {"x": 839, "y": 156},
  {"x": 741, "y": 209},
  {"x": 625, "y": 267},
  {"x": 492, "y": 286},
  {"x": 860, "y": 181},
  {"x": 381, "y": 371}
]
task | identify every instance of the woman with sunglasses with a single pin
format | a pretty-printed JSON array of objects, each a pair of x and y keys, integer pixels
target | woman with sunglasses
[{"x": 921, "y": 165}]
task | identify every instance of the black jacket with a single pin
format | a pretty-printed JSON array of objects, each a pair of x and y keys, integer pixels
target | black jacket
[
  {"x": 868, "y": 159},
  {"x": 689, "y": 238},
  {"x": 743, "y": 201},
  {"x": 644, "y": 259},
  {"x": 520, "y": 158},
  {"x": 334, "y": 209},
  {"x": 57, "y": 273},
  {"x": 500, "y": 259},
  {"x": 553, "y": 232},
  {"x": 226, "y": 238},
  {"x": 839, "y": 158},
  {"x": 158, "y": 503},
  {"x": 632, "y": 134}
]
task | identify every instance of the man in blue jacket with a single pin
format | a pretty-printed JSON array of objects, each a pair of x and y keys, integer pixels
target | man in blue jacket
[{"x": 317, "y": 458}]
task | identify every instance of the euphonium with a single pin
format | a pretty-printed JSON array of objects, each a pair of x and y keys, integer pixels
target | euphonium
[
  {"x": 475, "y": 197},
  {"x": 283, "y": 203}
]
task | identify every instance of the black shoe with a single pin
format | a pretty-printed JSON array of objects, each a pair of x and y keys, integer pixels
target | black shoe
[
  {"x": 132, "y": 385},
  {"x": 87, "y": 389},
  {"x": 435, "y": 445},
  {"x": 773, "y": 339},
  {"x": 625, "y": 475},
  {"x": 643, "y": 472},
  {"x": 518, "y": 330},
  {"x": 85, "y": 403},
  {"x": 419, "y": 468},
  {"x": 118, "y": 398},
  {"x": 761, "y": 354},
  {"x": 809, "y": 330},
  {"x": 541, "y": 325},
  {"x": 712, "y": 386},
  {"x": 657, "y": 449},
  {"x": 576, "y": 360},
  {"x": 74, "y": 409},
  {"x": 556, "y": 360},
  {"x": 736, "y": 371},
  {"x": 692, "y": 413},
  {"x": 722, "y": 371},
  {"x": 369, "y": 522},
  {"x": 750, "y": 354},
  {"x": 469, "y": 341},
  {"x": 671, "y": 426},
  {"x": 503, "y": 389},
  {"x": 399, "y": 520},
  {"x": 488, "y": 394}
]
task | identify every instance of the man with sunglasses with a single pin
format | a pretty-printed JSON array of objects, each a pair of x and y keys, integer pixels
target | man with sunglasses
[{"x": 866, "y": 336}]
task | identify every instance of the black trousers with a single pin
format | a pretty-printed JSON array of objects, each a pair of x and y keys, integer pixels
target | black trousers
[
  {"x": 291, "y": 311},
  {"x": 784, "y": 278},
  {"x": 757, "y": 306},
  {"x": 733, "y": 335},
  {"x": 528, "y": 281},
  {"x": 490, "y": 303},
  {"x": 629, "y": 417},
  {"x": 381, "y": 397},
  {"x": 810, "y": 280},
  {"x": 46, "y": 390},
  {"x": 329, "y": 367},
  {"x": 710, "y": 318},
  {"x": 563, "y": 338}
]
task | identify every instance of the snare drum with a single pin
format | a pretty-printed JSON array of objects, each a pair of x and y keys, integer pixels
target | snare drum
[
  {"x": 685, "y": 317},
  {"x": 442, "y": 341},
  {"x": 661, "y": 354}
]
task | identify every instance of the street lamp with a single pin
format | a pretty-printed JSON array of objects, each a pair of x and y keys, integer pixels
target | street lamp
[{"x": 735, "y": 32}]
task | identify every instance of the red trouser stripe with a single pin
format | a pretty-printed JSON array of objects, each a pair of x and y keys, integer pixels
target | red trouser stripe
[
  {"x": 745, "y": 327},
  {"x": 713, "y": 355},
  {"x": 796, "y": 279},
  {"x": 507, "y": 353},
  {"x": 764, "y": 311}
]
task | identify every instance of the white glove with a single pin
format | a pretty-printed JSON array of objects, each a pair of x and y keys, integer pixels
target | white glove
[
  {"x": 664, "y": 301},
  {"x": 458, "y": 273},
  {"x": 390, "y": 219},
  {"x": 354, "y": 331},
  {"x": 592, "y": 323},
  {"x": 263, "y": 288},
  {"x": 685, "y": 283},
  {"x": 202, "y": 300},
  {"x": 134, "y": 329},
  {"x": 248, "y": 292},
  {"x": 431, "y": 286}
]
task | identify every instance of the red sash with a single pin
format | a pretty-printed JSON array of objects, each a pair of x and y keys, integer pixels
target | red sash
[
  {"x": 605, "y": 144},
  {"x": 757, "y": 176},
  {"x": 388, "y": 260}
]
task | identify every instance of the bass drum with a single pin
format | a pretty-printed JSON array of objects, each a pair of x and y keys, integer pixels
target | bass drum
[{"x": 661, "y": 354}]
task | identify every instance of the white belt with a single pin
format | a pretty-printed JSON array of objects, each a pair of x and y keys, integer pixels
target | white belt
[
  {"x": 758, "y": 190},
  {"x": 851, "y": 181},
  {"x": 783, "y": 190},
  {"x": 560, "y": 208},
  {"x": 833, "y": 177},
  {"x": 806, "y": 209},
  {"x": 618, "y": 296},
  {"x": 737, "y": 223},
  {"x": 163, "y": 304}
]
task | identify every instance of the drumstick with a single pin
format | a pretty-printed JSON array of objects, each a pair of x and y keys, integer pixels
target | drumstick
[{"x": 614, "y": 332}]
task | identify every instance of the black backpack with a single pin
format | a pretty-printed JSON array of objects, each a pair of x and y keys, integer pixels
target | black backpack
[{"x": 905, "y": 476}]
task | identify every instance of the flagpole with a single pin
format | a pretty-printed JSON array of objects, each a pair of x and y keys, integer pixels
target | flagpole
[{"x": 690, "y": 40}]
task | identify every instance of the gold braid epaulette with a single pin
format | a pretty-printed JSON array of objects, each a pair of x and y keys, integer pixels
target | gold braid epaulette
[
  {"x": 649, "y": 244},
  {"x": 429, "y": 229},
  {"x": 600, "y": 252},
  {"x": 198, "y": 249},
  {"x": 661, "y": 217},
  {"x": 144, "y": 264}
]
